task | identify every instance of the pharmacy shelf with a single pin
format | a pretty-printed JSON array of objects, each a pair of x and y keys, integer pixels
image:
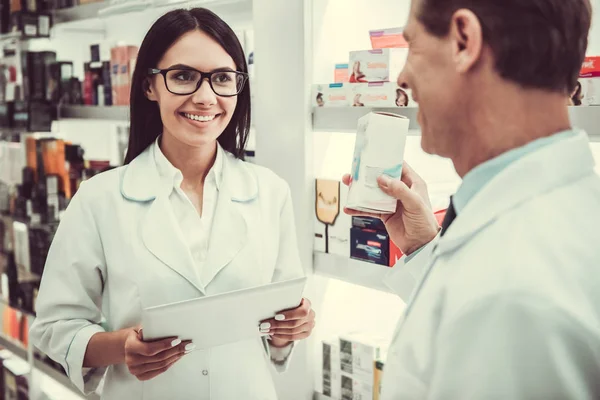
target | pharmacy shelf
[
  {"x": 345, "y": 119},
  {"x": 103, "y": 9},
  {"x": 13, "y": 346},
  {"x": 78, "y": 13},
  {"x": 352, "y": 271},
  {"x": 117, "y": 113},
  {"x": 18, "y": 350},
  {"x": 60, "y": 377}
]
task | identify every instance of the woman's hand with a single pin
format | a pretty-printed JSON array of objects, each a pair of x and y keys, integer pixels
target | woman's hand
[
  {"x": 147, "y": 360},
  {"x": 290, "y": 325}
]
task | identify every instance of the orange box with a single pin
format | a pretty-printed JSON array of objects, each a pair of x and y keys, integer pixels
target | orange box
[
  {"x": 391, "y": 38},
  {"x": 341, "y": 73},
  {"x": 395, "y": 253}
]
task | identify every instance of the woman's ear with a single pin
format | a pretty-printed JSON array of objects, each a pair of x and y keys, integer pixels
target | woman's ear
[{"x": 148, "y": 91}]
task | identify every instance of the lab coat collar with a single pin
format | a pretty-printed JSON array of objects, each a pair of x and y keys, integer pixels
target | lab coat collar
[
  {"x": 141, "y": 181},
  {"x": 552, "y": 166},
  {"x": 161, "y": 235}
]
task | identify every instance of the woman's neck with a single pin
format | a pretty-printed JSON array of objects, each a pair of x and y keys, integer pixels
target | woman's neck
[{"x": 193, "y": 162}]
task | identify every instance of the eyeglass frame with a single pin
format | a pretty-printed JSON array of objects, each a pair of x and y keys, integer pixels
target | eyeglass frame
[{"x": 203, "y": 75}]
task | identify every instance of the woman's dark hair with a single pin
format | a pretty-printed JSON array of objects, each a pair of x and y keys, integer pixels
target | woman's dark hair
[
  {"x": 576, "y": 97},
  {"x": 146, "y": 124}
]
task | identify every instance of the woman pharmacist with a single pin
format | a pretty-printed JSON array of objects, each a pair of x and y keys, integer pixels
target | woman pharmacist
[{"x": 184, "y": 218}]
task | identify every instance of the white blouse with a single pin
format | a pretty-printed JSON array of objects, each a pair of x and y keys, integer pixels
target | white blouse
[{"x": 195, "y": 229}]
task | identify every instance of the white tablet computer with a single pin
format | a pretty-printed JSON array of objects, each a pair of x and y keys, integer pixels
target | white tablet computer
[{"x": 223, "y": 318}]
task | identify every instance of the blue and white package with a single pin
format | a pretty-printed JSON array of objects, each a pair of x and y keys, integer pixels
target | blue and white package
[{"x": 379, "y": 150}]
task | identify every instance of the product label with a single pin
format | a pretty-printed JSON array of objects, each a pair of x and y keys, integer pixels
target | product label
[
  {"x": 30, "y": 30},
  {"x": 590, "y": 65}
]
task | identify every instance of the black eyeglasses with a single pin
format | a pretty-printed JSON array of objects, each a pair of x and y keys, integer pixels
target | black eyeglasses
[{"x": 185, "y": 81}]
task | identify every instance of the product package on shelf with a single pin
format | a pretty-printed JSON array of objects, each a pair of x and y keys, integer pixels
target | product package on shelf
[
  {"x": 340, "y": 74},
  {"x": 387, "y": 38},
  {"x": 122, "y": 64},
  {"x": 40, "y": 74},
  {"x": 16, "y": 379},
  {"x": 332, "y": 225},
  {"x": 355, "y": 389},
  {"x": 380, "y": 65},
  {"x": 332, "y": 383},
  {"x": 331, "y": 95},
  {"x": 359, "y": 354},
  {"x": 379, "y": 364},
  {"x": 379, "y": 150},
  {"x": 380, "y": 94},
  {"x": 372, "y": 225},
  {"x": 370, "y": 246},
  {"x": 588, "y": 92},
  {"x": 61, "y": 74}
]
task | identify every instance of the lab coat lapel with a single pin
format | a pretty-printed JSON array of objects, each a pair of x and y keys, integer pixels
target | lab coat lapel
[
  {"x": 141, "y": 182},
  {"x": 229, "y": 232},
  {"x": 163, "y": 238}
]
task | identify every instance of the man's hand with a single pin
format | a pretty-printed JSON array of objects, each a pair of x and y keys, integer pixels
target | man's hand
[{"x": 413, "y": 225}]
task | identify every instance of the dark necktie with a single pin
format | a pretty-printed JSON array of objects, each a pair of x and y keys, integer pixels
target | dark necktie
[{"x": 449, "y": 218}]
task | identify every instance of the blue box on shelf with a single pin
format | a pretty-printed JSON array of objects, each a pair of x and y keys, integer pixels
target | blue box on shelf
[
  {"x": 370, "y": 245},
  {"x": 368, "y": 223}
]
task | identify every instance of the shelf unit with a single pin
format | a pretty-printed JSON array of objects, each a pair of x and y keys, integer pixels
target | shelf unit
[
  {"x": 117, "y": 113},
  {"x": 352, "y": 271},
  {"x": 100, "y": 10},
  {"x": 345, "y": 119}
]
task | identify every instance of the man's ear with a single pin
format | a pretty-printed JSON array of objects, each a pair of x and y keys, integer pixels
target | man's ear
[
  {"x": 467, "y": 37},
  {"x": 148, "y": 92}
]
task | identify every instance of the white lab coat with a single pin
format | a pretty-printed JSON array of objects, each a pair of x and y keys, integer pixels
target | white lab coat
[
  {"x": 507, "y": 303},
  {"x": 119, "y": 249}
]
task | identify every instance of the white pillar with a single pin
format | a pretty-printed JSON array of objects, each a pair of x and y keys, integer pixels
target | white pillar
[{"x": 282, "y": 113}]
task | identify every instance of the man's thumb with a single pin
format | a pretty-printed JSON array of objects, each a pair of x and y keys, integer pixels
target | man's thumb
[{"x": 398, "y": 190}]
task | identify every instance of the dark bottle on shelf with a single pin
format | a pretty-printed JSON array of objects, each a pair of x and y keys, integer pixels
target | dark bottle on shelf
[{"x": 13, "y": 280}]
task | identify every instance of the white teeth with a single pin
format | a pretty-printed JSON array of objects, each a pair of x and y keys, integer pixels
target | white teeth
[{"x": 201, "y": 118}]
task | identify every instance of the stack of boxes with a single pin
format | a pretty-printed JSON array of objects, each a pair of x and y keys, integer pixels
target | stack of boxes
[
  {"x": 353, "y": 366},
  {"x": 370, "y": 77}
]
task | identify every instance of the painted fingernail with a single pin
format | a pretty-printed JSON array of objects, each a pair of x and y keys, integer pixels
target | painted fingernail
[
  {"x": 189, "y": 347},
  {"x": 265, "y": 325},
  {"x": 279, "y": 317},
  {"x": 175, "y": 342}
]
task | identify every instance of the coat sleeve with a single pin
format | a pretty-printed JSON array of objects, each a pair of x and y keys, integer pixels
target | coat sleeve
[
  {"x": 69, "y": 302},
  {"x": 288, "y": 266},
  {"x": 407, "y": 272},
  {"x": 516, "y": 346}
]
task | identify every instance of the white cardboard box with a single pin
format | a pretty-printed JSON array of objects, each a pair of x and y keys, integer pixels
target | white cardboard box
[
  {"x": 330, "y": 95},
  {"x": 380, "y": 94},
  {"x": 356, "y": 389},
  {"x": 379, "y": 150},
  {"x": 358, "y": 354},
  {"x": 332, "y": 380},
  {"x": 380, "y": 65}
]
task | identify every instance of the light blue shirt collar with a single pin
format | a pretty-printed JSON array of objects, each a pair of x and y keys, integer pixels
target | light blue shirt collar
[{"x": 478, "y": 177}]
